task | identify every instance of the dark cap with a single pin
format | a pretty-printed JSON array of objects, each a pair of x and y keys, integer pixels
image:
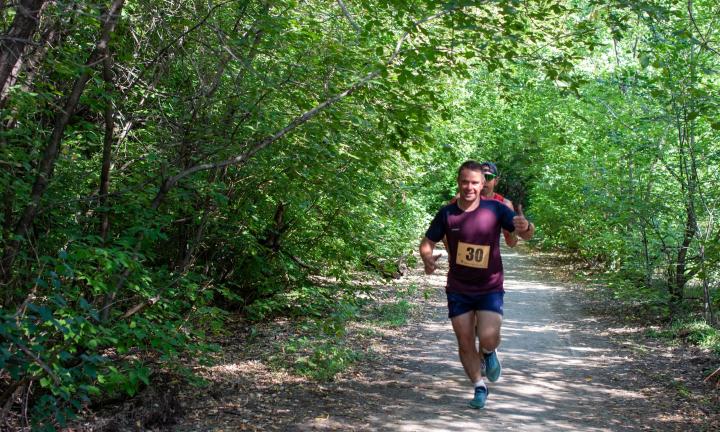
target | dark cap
[{"x": 490, "y": 166}]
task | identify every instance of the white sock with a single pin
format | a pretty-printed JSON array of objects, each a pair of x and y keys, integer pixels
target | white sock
[{"x": 480, "y": 383}]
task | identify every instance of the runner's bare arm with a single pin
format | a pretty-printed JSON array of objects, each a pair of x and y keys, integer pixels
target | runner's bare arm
[{"x": 510, "y": 237}]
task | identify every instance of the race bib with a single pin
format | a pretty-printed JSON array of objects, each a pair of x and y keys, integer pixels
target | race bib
[{"x": 470, "y": 255}]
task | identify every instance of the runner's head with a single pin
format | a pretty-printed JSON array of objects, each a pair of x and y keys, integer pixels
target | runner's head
[
  {"x": 470, "y": 181},
  {"x": 470, "y": 165},
  {"x": 490, "y": 172}
]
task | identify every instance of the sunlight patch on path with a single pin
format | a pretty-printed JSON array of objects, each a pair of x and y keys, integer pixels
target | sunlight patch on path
[{"x": 547, "y": 381}]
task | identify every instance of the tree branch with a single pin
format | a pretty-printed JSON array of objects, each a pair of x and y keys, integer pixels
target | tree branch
[
  {"x": 704, "y": 42},
  {"x": 349, "y": 17},
  {"x": 47, "y": 164},
  {"x": 25, "y": 23},
  {"x": 39, "y": 361},
  {"x": 170, "y": 182}
]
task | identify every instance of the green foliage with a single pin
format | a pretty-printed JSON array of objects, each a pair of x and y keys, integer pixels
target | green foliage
[
  {"x": 393, "y": 314},
  {"x": 61, "y": 341},
  {"x": 649, "y": 301},
  {"x": 320, "y": 349},
  {"x": 320, "y": 360},
  {"x": 261, "y": 154},
  {"x": 74, "y": 357},
  {"x": 694, "y": 332},
  {"x": 699, "y": 333},
  {"x": 306, "y": 301}
]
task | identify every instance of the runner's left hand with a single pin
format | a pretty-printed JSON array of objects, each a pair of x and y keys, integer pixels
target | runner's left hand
[{"x": 521, "y": 224}]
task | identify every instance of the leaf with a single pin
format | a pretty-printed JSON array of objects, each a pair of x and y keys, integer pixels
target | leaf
[
  {"x": 83, "y": 303},
  {"x": 45, "y": 313},
  {"x": 92, "y": 390},
  {"x": 46, "y": 382}
]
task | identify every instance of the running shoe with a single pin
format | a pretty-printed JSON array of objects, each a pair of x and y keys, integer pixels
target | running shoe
[
  {"x": 492, "y": 366},
  {"x": 481, "y": 394}
]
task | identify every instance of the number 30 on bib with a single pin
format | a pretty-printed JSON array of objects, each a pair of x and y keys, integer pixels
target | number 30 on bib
[{"x": 471, "y": 255}]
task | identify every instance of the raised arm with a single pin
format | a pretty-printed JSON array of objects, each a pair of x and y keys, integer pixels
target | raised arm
[
  {"x": 510, "y": 237},
  {"x": 523, "y": 227}
]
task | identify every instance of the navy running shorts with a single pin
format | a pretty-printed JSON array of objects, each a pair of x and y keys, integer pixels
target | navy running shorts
[{"x": 458, "y": 303}]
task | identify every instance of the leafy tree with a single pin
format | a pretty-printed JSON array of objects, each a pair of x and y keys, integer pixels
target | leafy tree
[{"x": 165, "y": 163}]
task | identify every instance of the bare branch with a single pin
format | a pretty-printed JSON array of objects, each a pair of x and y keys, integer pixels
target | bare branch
[
  {"x": 703, "y": 39},
  {"x": 349, "y": 17},
  {"x": 140, "y": 306}
]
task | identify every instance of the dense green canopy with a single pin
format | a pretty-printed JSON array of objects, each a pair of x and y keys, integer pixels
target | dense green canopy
[{"x": 167, "y": 163}]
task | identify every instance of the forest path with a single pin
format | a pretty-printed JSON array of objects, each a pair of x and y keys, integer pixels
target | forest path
[
  {"x": 548, "y": 373},
  {"x": 549, "y": 368},
  {"x": 562, "y": 371}
]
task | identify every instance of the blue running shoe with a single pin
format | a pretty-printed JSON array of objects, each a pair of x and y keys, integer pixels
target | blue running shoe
[
  {"x": 481, "y": 394},
  {"x": 492, "y": 366}
]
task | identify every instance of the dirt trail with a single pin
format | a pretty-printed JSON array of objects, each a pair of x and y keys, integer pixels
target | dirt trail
[
  {"x": 548, "y": 373},
  {"x": 560, "y": 373}
]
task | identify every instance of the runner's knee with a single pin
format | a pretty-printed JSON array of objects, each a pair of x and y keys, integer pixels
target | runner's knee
[{"x": 489, "y": 339}]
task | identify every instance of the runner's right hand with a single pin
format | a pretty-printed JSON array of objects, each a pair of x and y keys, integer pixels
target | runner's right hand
[{"x": 431, "y": 264}]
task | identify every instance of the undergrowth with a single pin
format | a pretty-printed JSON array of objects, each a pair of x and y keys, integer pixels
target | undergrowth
[
  {"x": 694, "y": 332},
  {"x": 321, "y": 347}
]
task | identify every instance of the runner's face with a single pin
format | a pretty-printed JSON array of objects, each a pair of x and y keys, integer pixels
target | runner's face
[
  {"x": 470, "y": 184},
  {"x": 489, "y": 186}
]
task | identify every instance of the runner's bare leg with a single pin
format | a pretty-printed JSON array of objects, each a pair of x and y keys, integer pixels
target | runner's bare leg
[
  {"x": 464, "y": 327},
  {"x": 488, "y": 330}
]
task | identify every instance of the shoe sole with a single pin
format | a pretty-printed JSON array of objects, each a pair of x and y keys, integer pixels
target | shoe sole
[{"x": 472, "y": 405}]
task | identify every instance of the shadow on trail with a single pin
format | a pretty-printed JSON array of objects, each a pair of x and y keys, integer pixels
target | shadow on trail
[
  {"x": 548, "y": 382},
  {"x": 558, "y": 375}
]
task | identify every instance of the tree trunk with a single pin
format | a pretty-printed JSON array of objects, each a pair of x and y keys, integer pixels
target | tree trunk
[
  {"x": 47, "y": 164},
  {"x": 680, "y": 279},
  {"x": 12, "y": 46},
  {"x": 105, "y": 167}
]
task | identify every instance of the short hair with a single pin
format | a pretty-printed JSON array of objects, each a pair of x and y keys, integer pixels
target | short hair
[{"x": 470, "y": 165}]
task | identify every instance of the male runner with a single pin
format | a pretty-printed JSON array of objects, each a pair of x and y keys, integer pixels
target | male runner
[
  {"x": 475, "y": 280},
  {"x": 492, "y": 178}
]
